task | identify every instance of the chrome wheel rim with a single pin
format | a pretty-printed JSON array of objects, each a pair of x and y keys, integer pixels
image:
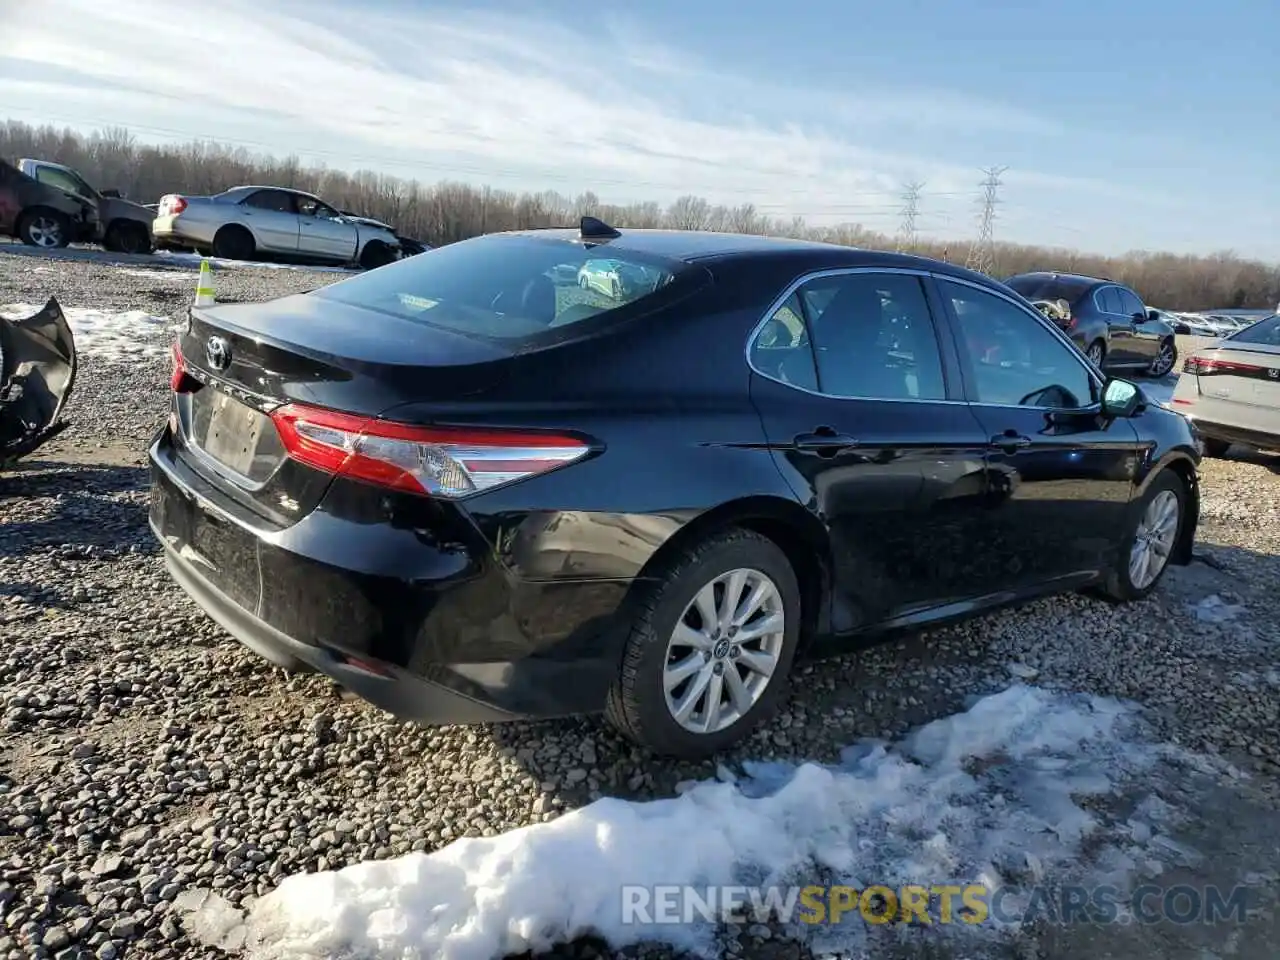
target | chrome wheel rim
[
  {"x": 1153, "y": 541},
  {"x": 723, "y": 652},
  {"x": 1164, "y": 360},
  {"x": 45, "y": 232},
  {"x": 1095, "y": 354}
]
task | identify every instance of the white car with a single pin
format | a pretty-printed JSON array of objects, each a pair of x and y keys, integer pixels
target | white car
[{"x": 1230, "y": 391}]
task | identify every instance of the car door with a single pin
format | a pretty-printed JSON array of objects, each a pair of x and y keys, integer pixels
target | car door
[
  {"x": 1146, "y": 335},
  {"x": 322, "y": 232},
  {"x": 1061, "y": 474},
  {"x": 273, "y": 219},
  {"x": 861, "y": 408},
  {"x": 1120, "y": 348}
]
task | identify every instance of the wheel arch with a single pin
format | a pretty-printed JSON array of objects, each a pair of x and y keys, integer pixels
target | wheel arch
[
  {"x": 797, "y": 532},
  {"x": 1182, "y": 463}
]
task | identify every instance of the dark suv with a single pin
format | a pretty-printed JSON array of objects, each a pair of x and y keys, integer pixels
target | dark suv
[{"x": 1105, "y": 319}]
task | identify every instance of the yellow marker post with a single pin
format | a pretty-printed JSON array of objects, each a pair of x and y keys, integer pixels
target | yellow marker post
[{"x": 204, "y": 286}]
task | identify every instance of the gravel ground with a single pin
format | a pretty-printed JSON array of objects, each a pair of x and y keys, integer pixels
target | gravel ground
[{"x": 144, "y": 754}]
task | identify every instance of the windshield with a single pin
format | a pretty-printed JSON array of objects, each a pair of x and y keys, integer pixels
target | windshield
[
  {"x": 1265, "y": 331},
  {"x": 1034, "y": 287},
  {"x": 509, "y": 287}
]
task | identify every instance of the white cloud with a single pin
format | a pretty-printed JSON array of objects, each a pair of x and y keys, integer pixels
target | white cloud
[{"x": 525, "y": 101}]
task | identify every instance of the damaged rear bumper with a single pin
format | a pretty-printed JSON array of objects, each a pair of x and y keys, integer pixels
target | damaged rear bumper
[{"x": 37, "y": 372}]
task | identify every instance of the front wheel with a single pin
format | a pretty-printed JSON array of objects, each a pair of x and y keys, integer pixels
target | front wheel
[
  {"x": 708, "y": 656},
  {"x": 1150, "y": 542},
  {"x": 1164, "y": 360},
  {"x": 375, "y": 254}
]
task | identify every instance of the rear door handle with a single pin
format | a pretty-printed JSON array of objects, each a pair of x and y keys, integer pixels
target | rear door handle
[
  {"x": 824, "y": 441},
  {"x": 1010, "y": 441}
]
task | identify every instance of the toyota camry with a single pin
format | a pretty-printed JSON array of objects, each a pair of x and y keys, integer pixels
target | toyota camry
[{"x": 470, "y": 488}]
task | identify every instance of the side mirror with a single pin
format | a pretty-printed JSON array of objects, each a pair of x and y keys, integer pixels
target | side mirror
[
  {"x": 1120, "y": 399},
  {"x": 112, "y": 194},
  {"x": 1140, "y": 318},
  {"x": 1152, "y": 316}
]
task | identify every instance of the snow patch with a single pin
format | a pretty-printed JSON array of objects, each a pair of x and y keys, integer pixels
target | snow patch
[
  {"x": 1213, "y": 609},
  {"x": 989, "y": 795},
  {"x": 193, "y": 260},
  {"x": 171, "y": 276},
  {"x": 119, "y": 336}
]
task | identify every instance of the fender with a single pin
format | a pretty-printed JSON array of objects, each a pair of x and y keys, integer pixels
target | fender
[{"x": 1185, "y": 460}]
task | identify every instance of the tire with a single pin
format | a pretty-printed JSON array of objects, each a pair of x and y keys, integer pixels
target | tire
[
  {"x": 1120, "y": 585},
  {"x": 638, "y": 702},
  {"x": 1097, "y": 353},
  {"x": 1164, "y": 361},
  {"x": 375, "y": 254},
  {"x": 127, "y": 237},
  {"x": 233, "y": 243},
  {"x": 1215, "y": 448},
  {"x": 45, "y": 228}
]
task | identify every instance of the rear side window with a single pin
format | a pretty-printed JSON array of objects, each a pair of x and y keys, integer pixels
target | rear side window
[
  {"x": 275, "y": 200},
  {"x": 1265, "y": 331},
  {"x": 870, "y": 336},
  {"x": 513, "y": 287},
  {"x": 1108, "y": 300}
]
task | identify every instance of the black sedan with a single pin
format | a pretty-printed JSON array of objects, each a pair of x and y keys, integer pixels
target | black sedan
[
  {"x": 471, "y": 490},
  {"x": 1105, "y": 319}
]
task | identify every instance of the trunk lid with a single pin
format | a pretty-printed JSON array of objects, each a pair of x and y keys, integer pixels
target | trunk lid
[{"x": 242, "y": 361}]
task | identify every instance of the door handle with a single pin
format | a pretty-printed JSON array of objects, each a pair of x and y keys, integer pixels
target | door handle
[
  {"x": 1009, "y": 441},
  {"x": 823, "y": 441}
]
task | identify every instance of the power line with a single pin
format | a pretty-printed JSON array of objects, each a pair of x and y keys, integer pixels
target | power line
[
  {"x": 908, "y": 232},
  {"x": 982, "y": 255}
]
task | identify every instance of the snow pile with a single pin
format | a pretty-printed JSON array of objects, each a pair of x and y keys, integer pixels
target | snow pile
[
  {"x": 989, "y": 796},
  {"x": 120, "y": 336}
]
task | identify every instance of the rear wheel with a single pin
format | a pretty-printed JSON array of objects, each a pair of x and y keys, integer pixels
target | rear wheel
[
  {"x": 128, "y": 238},
  {"x": 1097, "y": 353},
  {"x": 1164, "y": 360},
  {"x": 1151, "y": 539},
  {"x": 1215, "y": 448},
  {"x": 708, "y": 656},
  {"x": 42, "y": 227},
  {"x": 233, "y": 243}
]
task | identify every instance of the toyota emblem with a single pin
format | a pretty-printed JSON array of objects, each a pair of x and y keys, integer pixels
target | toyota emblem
[{"x": 218, "y": 352}]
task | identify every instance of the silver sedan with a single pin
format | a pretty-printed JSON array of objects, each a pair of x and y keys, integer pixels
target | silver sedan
[{"x": 244, "y": 223}]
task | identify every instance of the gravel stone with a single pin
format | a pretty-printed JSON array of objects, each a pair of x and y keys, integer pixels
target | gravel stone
[{"x": 146, "y": 758}]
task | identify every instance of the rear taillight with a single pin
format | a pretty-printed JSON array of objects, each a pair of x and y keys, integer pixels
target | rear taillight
[
  {"x": 440, "y": 461},
  {"x": 179, "y": 381},
  {"x": 1202, "y": 366},
  {"x": 171, "y": 204}
]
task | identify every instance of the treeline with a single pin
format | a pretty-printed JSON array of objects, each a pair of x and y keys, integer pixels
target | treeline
[{"x": 448, "y": 211}]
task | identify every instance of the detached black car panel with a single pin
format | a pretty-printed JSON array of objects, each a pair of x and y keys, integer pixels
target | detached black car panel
[{"x": 556, "y": 472}]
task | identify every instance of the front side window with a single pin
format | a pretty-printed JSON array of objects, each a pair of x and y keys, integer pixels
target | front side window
[
  {"x": 873, "y": 337},
  {"x": 510, "y": 287},
  {"x": 1015, "y": 359},
  {"x": 63, "y": 181}
]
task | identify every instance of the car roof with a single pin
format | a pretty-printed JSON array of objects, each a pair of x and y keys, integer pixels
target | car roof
[
  {"x": 1072, "y": 278},
  {"x": 697, "y": 245}
]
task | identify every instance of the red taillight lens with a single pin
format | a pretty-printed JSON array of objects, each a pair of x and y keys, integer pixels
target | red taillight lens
[
  {"x": 179, "y": 382},
  {"x": 171, "y": 204},
  {"x": 440, "y": 461},
  {"x": 1203, "y": 366}
]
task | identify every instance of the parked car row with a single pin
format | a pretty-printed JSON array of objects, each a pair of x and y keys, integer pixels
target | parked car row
[{"x": 50, "y": 205}]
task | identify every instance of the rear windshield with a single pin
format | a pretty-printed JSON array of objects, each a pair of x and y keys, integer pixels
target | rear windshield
[
  {"x": 1047, "y": 288},
  {"x": 1265, "y": 331},
  {"x": 511, "y": 287}
]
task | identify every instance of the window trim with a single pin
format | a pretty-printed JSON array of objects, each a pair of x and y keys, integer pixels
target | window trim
[
  {"x": 932, "y": 291},
  {"x": 1039, "y": 318},
  {"x": 780, "y": 301}
]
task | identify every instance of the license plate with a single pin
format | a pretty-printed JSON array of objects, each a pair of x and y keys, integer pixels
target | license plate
[{"x": 232, "y": 433}]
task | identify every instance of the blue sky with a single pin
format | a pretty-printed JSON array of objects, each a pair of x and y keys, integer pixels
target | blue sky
[{"x": 1124, "y": 125}]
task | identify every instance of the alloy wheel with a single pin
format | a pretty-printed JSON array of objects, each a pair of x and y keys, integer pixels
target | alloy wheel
[
  {"x": 1163, "y": 362},
  {"x": 723, "y": 652},
  {"x": 1095, "y": 354},
  {"x": 1153, "y": 541},
  {"x": 45, "y": 232}
]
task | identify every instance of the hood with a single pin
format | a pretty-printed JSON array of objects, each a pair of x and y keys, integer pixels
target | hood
[
  {"x": 369, "y": 220},
  {"x": 113, "y": 207},
  {"x": 37, "y": 371}
]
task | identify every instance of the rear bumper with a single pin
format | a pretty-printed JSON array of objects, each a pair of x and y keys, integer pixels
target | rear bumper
[
  {"x": 419, "y": 628},
  {"x": 1233, "y": 434},
  {"x": 173, "y": 230}
]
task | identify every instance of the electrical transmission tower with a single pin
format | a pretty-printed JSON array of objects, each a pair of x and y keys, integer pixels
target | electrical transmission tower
[
  {"x": 908, "y": 234},
  {"x": 982, "y": 255}
]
